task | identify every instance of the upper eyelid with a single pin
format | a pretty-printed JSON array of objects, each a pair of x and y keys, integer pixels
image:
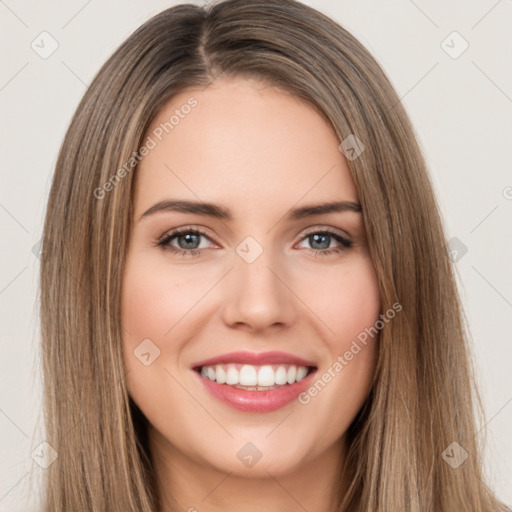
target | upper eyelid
[
  {"x": 203, "y": 232},
  {"x": 321, "y": 228}
]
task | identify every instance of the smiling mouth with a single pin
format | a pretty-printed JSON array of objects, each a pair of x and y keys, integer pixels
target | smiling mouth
[{"x": 255, "y": 377}]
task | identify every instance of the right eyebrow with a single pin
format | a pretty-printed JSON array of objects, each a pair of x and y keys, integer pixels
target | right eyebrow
[{"x": 196, "y": 207}]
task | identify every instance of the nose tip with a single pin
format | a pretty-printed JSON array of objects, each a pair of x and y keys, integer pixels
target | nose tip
[{"x": 255, "y": 294}]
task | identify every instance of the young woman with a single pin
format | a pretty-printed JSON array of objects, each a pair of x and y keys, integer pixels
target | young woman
[{"x": 247, "y": 303}]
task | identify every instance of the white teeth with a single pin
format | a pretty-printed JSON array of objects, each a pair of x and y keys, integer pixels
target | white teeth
[
  {"x": 292, "y": 373},
  {"x": 266, "y": 376},
  {"x": 281, "y": 377},
  {"x": 248, "y": 375},
  {"x": 251, "y": 376},
  {"x": 232, "y": 376},
  {"x": 301, "y": 373},
  {"x": 220, "y": 374}
]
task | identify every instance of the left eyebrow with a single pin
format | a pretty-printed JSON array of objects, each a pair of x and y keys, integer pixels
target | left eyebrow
[
  {"x": 220, "y": 212},
  {"x": 323, "y": 208}
]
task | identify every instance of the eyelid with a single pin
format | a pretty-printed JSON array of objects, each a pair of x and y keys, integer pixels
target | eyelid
[
  {"x": 174, "y": 232},
  {"x": 201, "y": 230},
  {"x": 320, "y": 228}
]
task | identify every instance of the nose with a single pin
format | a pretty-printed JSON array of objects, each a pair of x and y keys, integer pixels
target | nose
[{"x": 256, "y": 294}]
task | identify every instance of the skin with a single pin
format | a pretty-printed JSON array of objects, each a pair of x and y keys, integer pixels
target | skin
[{"x": 259, "y": 152}]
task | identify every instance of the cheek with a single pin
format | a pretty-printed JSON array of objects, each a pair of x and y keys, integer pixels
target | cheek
[
  {"x": 155, "y": 300},
  {"x": 350, "y": 308},
  {"x": 345, "y": 298},
  {"x": 358, "y": 311},
  {"x": 147, "y": 310},
  {"x": 357, "y": 304},
  {"x": 151, "y": 306}
]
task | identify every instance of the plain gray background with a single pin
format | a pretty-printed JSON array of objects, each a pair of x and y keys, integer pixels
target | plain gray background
[{"x": 460, "y": 103}]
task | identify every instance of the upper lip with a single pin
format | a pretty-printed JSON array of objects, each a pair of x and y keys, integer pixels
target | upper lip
[{"x": 254, "y": 358}]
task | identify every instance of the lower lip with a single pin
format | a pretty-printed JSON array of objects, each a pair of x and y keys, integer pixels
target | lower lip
[{"x": 256, "y": 401}]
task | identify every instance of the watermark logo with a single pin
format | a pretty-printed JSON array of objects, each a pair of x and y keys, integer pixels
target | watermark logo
[
  {"x": 44, "y": 455},
  {"x": 151, "y": 143},
  {"x": 344, "y": 359},
  {"x": 249, "y": 249},
  {"x": 351, "y": 147},
  {"x": 456, "y": 249},
  {"x": 45, "y": 45},
  {"x": 454, "y": 455},
  {"x": 249, "y": 455},
  {"x": 146, "y": 352},
  {"x": 454, "y": 45}
]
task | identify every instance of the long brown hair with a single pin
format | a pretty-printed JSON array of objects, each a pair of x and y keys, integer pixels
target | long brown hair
[{"x": 422, "y": 399}]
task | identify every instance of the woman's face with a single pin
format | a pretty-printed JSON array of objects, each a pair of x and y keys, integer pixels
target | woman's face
[{"x": 268, "y": 291}]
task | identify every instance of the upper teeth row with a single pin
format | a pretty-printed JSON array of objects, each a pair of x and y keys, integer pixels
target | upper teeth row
[{"x": 249, "y": 375}]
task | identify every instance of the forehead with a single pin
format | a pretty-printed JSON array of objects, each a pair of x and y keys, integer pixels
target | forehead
[{"x": 242, "y": 144}]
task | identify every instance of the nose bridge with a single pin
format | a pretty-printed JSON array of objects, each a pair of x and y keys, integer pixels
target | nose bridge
[{"x": 256, "y": 295}]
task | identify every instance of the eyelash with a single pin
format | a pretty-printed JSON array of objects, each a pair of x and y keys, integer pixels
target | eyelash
[{"x": 164, "y": 242}]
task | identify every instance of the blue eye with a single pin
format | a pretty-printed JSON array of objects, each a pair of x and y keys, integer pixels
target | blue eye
[
  {"x": 319, "y": 237},
  {"x": 191, "y": 237},
  {"x": 189, "y": 241}
]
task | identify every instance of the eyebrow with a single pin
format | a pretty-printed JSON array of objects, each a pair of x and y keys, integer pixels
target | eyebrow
[{"x": 220, "y": 212}]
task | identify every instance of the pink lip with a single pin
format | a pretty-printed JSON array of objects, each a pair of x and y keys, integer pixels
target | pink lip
[
  {"x": 255, "y": 359},
  {"x": 257, "y": 401}
]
